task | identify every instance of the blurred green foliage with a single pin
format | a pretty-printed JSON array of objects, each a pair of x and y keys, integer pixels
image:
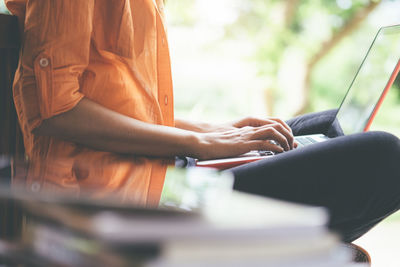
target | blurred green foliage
[{"x": 304, "y": 53}]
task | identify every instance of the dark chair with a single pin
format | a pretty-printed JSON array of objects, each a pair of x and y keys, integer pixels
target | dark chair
[
  {"x": 11, "y": 142},
  {"x": 11, "y": 138}
]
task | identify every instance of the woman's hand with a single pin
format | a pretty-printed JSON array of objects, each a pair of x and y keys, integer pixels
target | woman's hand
[
  {"x": 243, "y": 136},
  {"x": 256, "y": 122}
]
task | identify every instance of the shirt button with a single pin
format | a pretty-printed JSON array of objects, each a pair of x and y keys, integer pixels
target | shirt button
[
  {"x": 44, "y": 62},
  {"x": 163, "y": 41},
  {"x": 35, "y": 187},
  {"x": 166, "y": 100}
]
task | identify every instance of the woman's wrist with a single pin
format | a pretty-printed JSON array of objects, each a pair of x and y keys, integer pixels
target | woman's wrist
[{"x": 194, "y": 145}]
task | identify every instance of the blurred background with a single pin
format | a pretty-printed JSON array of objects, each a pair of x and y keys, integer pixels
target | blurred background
[{"x": 233, "y": 58}]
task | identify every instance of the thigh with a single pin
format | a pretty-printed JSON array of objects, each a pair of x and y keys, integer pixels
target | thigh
[
  {"x": 356, "y": 177},
  {"x": 316, "y": 123}
]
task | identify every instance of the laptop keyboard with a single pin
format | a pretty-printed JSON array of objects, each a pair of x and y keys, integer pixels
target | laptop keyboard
[
  {"x": 265, "y": 153},
  {"x": 305, "y": 140},
  {"x": 257, "y": 153}
]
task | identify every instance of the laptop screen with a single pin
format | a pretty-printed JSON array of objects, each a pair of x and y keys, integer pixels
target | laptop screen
[{"x": 372, "y": 81}]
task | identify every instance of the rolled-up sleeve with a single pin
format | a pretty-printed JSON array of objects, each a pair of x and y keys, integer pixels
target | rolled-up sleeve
[{"x": 55, "y": 54}]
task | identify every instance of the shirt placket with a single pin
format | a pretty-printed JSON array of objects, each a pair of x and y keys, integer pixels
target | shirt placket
[{"x": 165, "y": 95}]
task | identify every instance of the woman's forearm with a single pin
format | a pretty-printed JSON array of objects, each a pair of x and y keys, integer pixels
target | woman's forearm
[{"x": 95, "y": 126}]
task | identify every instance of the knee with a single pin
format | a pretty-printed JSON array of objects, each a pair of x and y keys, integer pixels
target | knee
[
  {"x": 385, "y": 144},
  {"x": 373, "y": 150},
  {"x": 385, "y": 155}
]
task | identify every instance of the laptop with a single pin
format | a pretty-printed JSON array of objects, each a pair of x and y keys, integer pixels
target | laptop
[{"x": 361, "y": 103}]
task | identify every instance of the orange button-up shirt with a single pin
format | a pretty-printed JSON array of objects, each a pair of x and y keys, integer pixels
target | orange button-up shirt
[{"x": 112, "y": 52}]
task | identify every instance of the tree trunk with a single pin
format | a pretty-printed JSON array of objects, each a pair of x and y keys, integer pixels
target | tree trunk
[
  {"x": 327, "y": 46},
  {"x": 290, "y": 10}
]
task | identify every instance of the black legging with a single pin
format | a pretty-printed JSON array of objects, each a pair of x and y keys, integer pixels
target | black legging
[{"x": 356, "y": 177}]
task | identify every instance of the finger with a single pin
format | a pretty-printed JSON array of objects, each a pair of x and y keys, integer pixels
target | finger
[
  {"x": 270, "y": 133},
  {"x": 283, "y": 123},
  {"x": 287, "y": 127},
  {"x": 288, "y": 135},
  {"x": 274, "y": 132},
  {"x": 266, "y": 145},
  {"x": 271, "y": 121},
  {"x": 254, "y": 122}
]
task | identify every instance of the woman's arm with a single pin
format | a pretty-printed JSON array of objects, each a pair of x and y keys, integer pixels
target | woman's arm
[
  {"x": 93, "y": 125},
  {"x": 203, "y": 127}
]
